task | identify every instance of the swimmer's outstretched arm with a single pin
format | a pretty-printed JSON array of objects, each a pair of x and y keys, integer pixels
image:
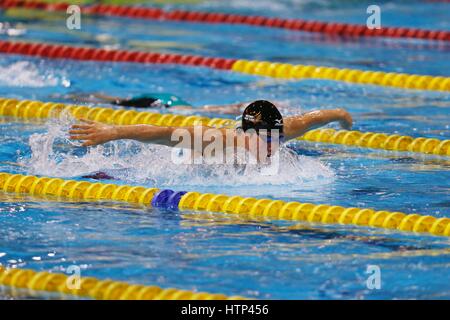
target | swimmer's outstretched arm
[
  {"x": 95, "y": 133},
  {"x": 231, "y": 109},
  {"x": 92, "y": 98},
  {"x": 297, "y": 126}
]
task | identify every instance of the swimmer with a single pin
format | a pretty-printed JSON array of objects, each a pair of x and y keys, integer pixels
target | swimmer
[
  {"x": 260, "y": 119},
  {"x": 158, "y": 100}
]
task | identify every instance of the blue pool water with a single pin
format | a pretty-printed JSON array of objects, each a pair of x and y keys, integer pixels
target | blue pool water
[{"x": 213, "y": 252}]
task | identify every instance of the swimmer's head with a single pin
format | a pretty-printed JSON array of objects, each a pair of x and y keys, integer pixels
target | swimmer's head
[{"x": 262, "y": 115}]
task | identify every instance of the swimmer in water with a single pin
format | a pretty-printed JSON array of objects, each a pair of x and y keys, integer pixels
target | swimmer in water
[
  {"x": 261, "y": 121},
  {"x": 159, "y": 101}
]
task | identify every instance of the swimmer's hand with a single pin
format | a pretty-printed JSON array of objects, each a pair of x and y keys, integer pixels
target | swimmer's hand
[
  {"x": 346, "y": 120},
  {"x": 296, "y": 126},
  {"x": 93, "y": 133}
]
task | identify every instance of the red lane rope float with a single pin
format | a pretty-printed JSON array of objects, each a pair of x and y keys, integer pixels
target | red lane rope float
[
  {"x": 84, "y": 53},
  {"x": 259, "y": 68},
  {"x": 343, "y": 29}
]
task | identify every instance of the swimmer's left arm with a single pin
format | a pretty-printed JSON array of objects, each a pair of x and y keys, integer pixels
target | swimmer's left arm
[
  {"x": 94, "y": 133},
  {"x": 297, "y": 126}
]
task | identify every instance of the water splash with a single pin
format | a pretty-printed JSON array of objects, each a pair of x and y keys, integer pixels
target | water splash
[
  {"x": 27, "y": 74},
  {"x": 53, "y": 154},
  {"x": 12, "y": 30}
]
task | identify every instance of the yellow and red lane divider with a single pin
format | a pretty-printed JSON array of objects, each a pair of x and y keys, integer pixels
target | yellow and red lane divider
[
  {"x": 97, "y": 289},
  {"x": 392, "y": 142},
  {"x": 329, "y": 28},
  {"x": 259, "y": 68},
  {"x": 252, "y": 208}
]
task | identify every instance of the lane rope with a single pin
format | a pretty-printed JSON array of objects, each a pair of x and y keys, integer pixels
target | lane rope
[
  {"x": 391, "y": 142},
  {"x": 329, "y": 28},
  {"x": 97, "y": 289},
  {"x": 257, "y": 68},
  {"x": 253, "y": 208},
  {"x": 379, "y": 78},
  {"x": 36, "y": 109}
]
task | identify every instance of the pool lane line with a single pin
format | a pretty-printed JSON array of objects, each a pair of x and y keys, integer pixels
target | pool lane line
[
  {"x": 27, "y": 109},
  {"x": 250, "y": 208},
  {"x": 97, "y": 289},
  {"x": 257, "y": 68},
  {"x": 156, "y": 13}
]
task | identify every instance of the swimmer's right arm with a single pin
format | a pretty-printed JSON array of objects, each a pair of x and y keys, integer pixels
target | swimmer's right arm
[
  {"x": 297, "y": 126},
  {"x": 93, "y": 98}
]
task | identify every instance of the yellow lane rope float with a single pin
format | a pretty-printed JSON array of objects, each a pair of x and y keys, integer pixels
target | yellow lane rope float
[
  {"x": 97, "y": 289},
  {"x": 249, "y": 207},
  {"x": 37, "y": 109},
  {"x": 392, "y": 142},
  {"x": 390, "y": 79}
]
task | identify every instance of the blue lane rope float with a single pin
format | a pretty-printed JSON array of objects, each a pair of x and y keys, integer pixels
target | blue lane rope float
[
  {"x": 174, "y": 200},
  {"x": 161, "y": 198}
]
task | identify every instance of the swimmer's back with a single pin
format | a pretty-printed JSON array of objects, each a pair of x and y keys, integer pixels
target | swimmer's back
[{"x": 152, "y": 100}]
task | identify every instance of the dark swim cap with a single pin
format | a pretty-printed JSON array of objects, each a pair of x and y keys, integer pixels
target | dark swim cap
[{"x": 262, "y": 114}]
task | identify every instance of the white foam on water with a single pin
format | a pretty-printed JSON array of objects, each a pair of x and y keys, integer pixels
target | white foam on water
[
  {"x": 27, "y": 74},
  {"x": 267, "y": 5},
  {"x": 53, "y": 154}
]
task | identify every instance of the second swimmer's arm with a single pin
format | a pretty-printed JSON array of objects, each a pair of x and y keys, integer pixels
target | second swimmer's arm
[
  {"x": 297, "y": 126},
  {"x": 232, "y": 109}
]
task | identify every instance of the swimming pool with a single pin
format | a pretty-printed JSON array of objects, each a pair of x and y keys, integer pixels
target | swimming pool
[{"x": 217, "y": 252}]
